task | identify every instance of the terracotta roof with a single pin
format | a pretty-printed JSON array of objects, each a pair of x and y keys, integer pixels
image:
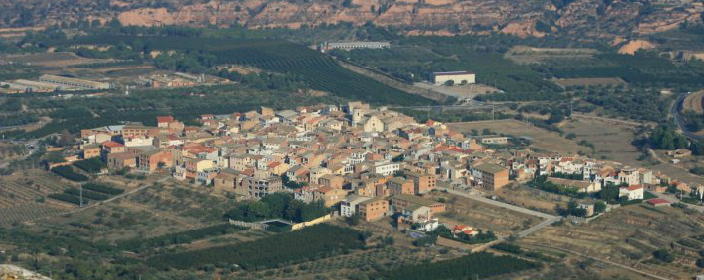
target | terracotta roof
[
  {"x": 112, "y": 144},
  {"x": 164, "y": 119},
  {"x": 656, "y": 201},
  {"x": 634, "y": 187}
]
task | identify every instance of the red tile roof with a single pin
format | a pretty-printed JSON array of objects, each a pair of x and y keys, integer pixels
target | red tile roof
[
  {"x": 112, "y": 144},
  {"x": 164, "y": 119},
  {"x": 656, "y": 201}
]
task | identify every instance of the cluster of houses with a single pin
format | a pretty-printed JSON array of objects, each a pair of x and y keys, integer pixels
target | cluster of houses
[{"x": 364, "y": 161}]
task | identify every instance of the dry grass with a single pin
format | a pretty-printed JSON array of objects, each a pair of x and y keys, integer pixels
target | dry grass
[
  {"x": 693, "y": 103},
  {"x": 542, "y": 139},
  {"x": 627, "y": 235},
  {"x": 590, "y": 81}
]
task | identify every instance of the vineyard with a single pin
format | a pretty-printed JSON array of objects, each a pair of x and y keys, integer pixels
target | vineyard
[
  {"x": 68, "y": 172},
  {"x": 369, "y": 261},
  {"x": 24, "y": 199},
  {"x": 91, "y": 165},
  {"x": 90, "y": 192},
  {"x": 266, "y": 252}
]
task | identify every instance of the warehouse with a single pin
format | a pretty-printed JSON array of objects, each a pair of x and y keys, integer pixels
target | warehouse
[
  {"x": 346, "y": 46},
  {"x": 457, "y": 78},
  {"x": 73, "y": 83}
]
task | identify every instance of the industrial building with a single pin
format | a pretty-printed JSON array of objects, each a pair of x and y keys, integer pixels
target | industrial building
[
  {"x": 176, "y": 79},
  {"x": 457, "y": 77},
  {"x": 346, "y": 46},
  {"x": 66, "y": 83}
]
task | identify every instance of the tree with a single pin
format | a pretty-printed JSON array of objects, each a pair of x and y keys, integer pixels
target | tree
[
  {"x": 353, "y": 220},
  {"x": 609, "y": 193},
  {"x": 599, "y": 207},
  {"x": 700, "y": 263},
  {"x": 664, "y": 255},
  {"x": 66, "y": 138}
]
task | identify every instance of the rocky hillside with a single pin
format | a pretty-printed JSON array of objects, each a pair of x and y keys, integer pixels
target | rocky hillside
[{"x": 591, "y": 18}]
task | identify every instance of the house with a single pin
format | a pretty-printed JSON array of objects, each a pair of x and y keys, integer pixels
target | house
[
  {"x": 464, "y": 229},
  {"x": 400, "y": 202},
  {"x": 111, "y": 147},
  {"x": 332, "y": 181},
  {"x": 329, "y": 195},
  {"x": 195, "y": 165},
  {"x": 348, "y": 206},
  {"x": 386, "y": 168},
  {"x": 121, "y": 160},
  {"x": 658, "y": 202},
  {"x": 631, "y": 192},
  {"x": 422, "y": 183},
  {"x": 206, "y": 176},
  {"x": 259, "y": 187},
  {"x": 151, "y": 159},
  {"x": 373, "y": 209},
  {"x": 490, "y": 176},
  {"x": 492, "y": 139},
  {"x": 164, "y": 121},
  {"x": 588, "y": 209},
  {"x": 581, "y": 186},
  {"x": 398, "y": 185},
  {"x": 416, "y": 213},
  {"x": 90, "y": 151}
]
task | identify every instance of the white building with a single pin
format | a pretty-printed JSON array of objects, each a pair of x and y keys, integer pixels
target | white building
[
  {"x": 457, "y": 77},
  {"x": 387, "y": 168},
  {"x": 348, "y": 206},
  {"x": 632, "y": 192}
]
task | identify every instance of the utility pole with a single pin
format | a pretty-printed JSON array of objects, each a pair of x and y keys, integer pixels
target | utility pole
[
  {"x": 80, "y": 203},
  {"x": 492, "y": 112}
]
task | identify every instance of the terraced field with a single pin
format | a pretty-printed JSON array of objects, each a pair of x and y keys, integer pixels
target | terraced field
[{"x": 628, "y": 236}]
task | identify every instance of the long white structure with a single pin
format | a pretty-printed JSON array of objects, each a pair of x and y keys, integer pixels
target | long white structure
[{"x": 458, "y": 77}]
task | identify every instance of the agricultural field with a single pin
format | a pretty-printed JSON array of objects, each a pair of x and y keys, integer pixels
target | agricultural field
[
  {"x": 530, "y": 55},
  {"x": 52, "y": 60},
  {"x": 541, "y": 139},
  {"x": 25, "y": 198},
  {"x": 368, "y": 261},
  {"x": 628, "y": 235},
  {"x": 585, "y": 82},
  {"x": 10, "y": 151}
]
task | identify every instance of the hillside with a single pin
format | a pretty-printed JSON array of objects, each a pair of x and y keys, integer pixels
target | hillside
[{"x": 585, "y": 18}]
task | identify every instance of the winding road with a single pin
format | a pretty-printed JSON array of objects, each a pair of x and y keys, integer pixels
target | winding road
[{"x": 675, "y": 112}]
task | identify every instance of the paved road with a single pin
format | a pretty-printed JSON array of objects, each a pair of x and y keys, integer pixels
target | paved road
[{"x": 675, "y": 112}]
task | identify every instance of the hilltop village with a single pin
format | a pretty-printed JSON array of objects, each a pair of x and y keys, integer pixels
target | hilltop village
[{"x": 372, "y": 162}]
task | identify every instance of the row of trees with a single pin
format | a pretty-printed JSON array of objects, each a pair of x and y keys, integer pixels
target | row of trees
[
  {"x": 477, "y": 265},
  {"x": 276, "y": 250},
  {"x": 277, "y": 206}
]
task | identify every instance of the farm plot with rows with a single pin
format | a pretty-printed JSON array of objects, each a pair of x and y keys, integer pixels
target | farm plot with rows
[{"x": 24, "y": 198}]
